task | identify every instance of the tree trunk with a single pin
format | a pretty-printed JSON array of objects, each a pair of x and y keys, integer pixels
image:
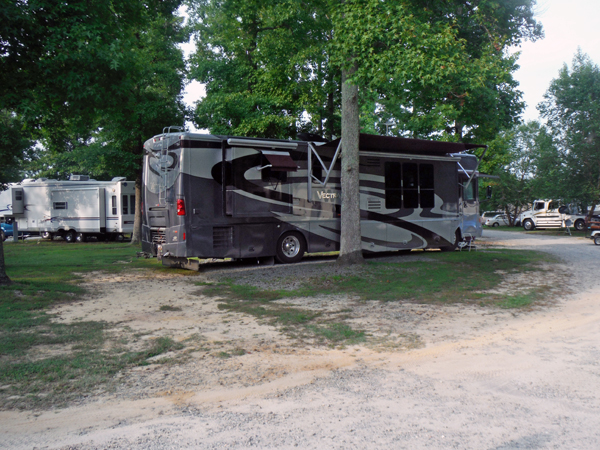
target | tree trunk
[
  {"x": 4, "y": 280},
  {"x": 136, "y": 237},
  {"x": 350, "y": 239}
]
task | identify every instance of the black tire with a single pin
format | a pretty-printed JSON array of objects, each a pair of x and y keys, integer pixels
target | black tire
[
  {"x": 528, "y": 225},
  {"x": 2, "y": 235},
  {"x": 495, "y": 224},
  {"x": 81, "y": 237},
  {"x": 580, "y": 224},
  {"x": 290, "y": 247},
  {"x": 597, "y": 240},
  {"x": 453, "y": 246},
  {"x": 70, "y": 236}
]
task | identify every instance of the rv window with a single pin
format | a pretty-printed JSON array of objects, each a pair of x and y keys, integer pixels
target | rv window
[
  {"x": 410, "y": 186},
  {"x": 469, "y": 191},
  {"x": 132, "y": 204},
  {"x": 114, "y": 205},
  {"x": 393, "y": 185},
  {"x": 426, "y": 185},
  {"x": 271, "y": 176},
  {"x": 18, "y": 195},
  {"x": 125, "y": 205},
  {"x": 59, "y": 205},
  {"x": 539, "y": 205}
]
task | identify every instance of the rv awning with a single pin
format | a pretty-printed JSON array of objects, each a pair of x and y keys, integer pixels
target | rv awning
[
  {"x": 388, "y": 144},
  {"x": 280, "y": 161}
]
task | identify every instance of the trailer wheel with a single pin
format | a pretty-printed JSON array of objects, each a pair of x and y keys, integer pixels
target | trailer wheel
[
  {"x": 290, "y": 247},
  {"x": 81, "y": 237},
  {"x": 580, "y": 224},
  {"x": 528, "y": 225},
  {"x": 597, "y": 240},
  {"x": 70, "y": 236}
]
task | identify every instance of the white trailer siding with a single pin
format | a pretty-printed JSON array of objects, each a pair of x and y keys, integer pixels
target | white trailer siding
[{"x": 89, "y": 207}]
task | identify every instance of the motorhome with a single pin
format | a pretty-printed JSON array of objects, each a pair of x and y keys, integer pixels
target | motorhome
[
  {"x": 208, "y": 196},
  {"x": 546, "y": 214},
  {"x": 75, "y": 209}
]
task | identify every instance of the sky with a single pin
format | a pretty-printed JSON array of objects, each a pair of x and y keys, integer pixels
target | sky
[{"x": 568, "y": 25}]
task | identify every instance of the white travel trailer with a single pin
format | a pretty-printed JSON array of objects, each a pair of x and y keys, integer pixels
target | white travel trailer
[
  {"x": 74, "y": 209},
  {"x": 208, "y": 196}
]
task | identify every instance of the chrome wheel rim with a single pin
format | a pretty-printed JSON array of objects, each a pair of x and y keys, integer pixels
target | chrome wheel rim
[{"x": 290, "y": 246}]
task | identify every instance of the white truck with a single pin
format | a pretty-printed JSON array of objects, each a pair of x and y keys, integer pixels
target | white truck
[
  {"x": 74, "y": 209},
  {"x": 546, "y": 214}
]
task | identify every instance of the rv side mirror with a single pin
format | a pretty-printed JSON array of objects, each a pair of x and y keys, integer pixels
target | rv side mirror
[{"x": 488, "y": 192}]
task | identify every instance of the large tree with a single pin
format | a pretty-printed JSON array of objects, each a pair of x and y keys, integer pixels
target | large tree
[
  {"x": 442, "y": 62},
  {"x": 571, "y": 107},
  {"x": 14, "y": 150}
]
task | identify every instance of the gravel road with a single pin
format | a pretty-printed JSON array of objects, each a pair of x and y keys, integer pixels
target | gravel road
[{"x": 498, "y": 380}]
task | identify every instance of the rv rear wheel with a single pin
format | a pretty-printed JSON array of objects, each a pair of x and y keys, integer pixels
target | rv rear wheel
[
  {"x": 290, "y": 247},
  {"x": 81, "y": 237},
  {"x": 528, "y": 225},
  {"x": 70, "y": 236},
  {"x": 580, "y": 224}
]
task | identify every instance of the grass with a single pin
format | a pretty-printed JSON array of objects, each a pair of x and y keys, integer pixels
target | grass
[
  {"x": 446, "y": 278},
  {"x": 43, "y": 362}
]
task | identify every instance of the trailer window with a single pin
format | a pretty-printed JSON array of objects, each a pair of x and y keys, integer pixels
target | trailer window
[
  {"x": 114, "y": 205},
  {"x": 125, "y": 204},
  {"x": 59, "y": 205},
  {"x": 132, "y": 204}
]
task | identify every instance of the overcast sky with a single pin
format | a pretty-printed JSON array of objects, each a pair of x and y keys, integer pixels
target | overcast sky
[{"x": 568, "y": 24}]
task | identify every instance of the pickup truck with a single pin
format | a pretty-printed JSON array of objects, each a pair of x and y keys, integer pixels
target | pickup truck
[{"x": 548, "y": 214}]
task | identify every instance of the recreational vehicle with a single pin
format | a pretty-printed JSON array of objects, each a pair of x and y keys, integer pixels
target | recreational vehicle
[
  {"x": 74, "y": 209},
  {"x": 208, "y": 196}
]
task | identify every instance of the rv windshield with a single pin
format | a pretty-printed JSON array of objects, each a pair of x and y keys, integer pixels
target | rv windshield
[{"x": 161, "y": 171}]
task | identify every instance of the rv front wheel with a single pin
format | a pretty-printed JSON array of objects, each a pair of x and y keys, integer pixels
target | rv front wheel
[
  {"x": 290, "y": 248},
  {"x": 528, "y": 225}
]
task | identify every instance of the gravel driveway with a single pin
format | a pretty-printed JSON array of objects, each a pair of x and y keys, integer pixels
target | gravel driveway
[{"x": 483, "y": 380}]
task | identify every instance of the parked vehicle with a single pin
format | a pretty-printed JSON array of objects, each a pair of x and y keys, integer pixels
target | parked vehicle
[
  {"x": 6, "y": 231},
  {"x": 546, "y": 214},
  {"x": 209, "y": 196},
  {"x": 594, "y": 227},
  {"x": 74, "y": 209},
  {"x": 497, "y": 220}
]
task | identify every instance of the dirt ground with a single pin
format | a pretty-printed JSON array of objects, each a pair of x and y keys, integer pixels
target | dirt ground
[{"x": 429, "y": 376}]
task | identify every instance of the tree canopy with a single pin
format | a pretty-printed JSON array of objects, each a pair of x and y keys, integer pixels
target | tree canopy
[{"x": 571, "y": 107}]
